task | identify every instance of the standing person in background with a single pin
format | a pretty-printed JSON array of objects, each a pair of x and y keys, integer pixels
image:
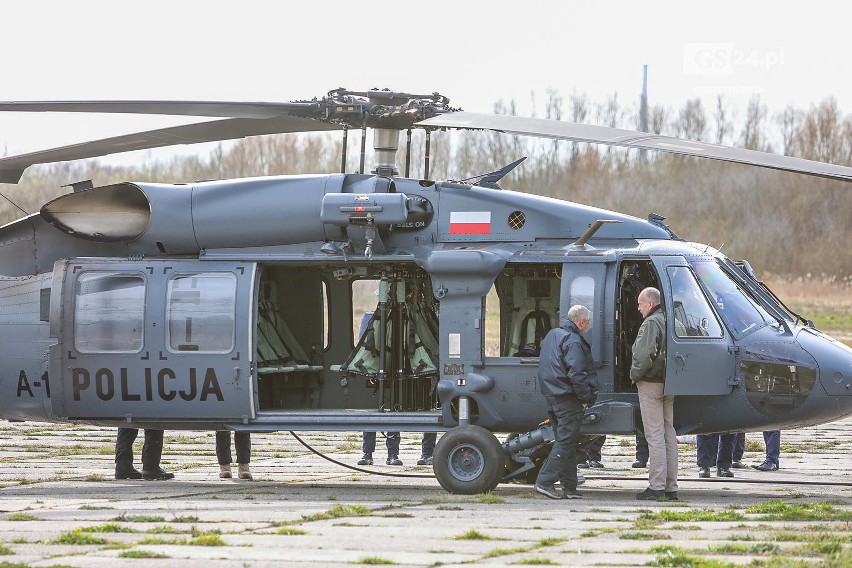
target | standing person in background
[
  {"x": 772, "y": 439},
  {"x": 242, "y": 443},
  {"x": 641, "y": 452},
  {"x": 739, "y": 450},
  {"x": 715, "y": 450},
  {"x": 152, "y": 451},
  {"x": 648, "y": 372}
]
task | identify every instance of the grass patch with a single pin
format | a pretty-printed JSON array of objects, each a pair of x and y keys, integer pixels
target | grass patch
[
  {"x": 290, "y": 531},
  {"x": 125, "y": 518},
  {"x": 142, "y": 554},
  {"x": 505, "y": 552},
  {"x": 759, "y": 548},
  {"x": 22, "y": 517},
  {"x": 398, "y": 515},
  {"x": 489, "y": 499},
  {"x": 373, "y": 560},
  {"x": 780, "y": 511},
  {"x": 552, "y": 541},
  {"x": 164, "y": 529},
  {"x": 449, "y": 508},
  {"x": 77, "y": 536},
  {"x": 474, "y": 534},
  {"x": 642, "y": 535},
  {"x": 204, "y": 539},
  {"x": 537, "y": 561},
  {"x": 94, "y": 477},
  {"x": 668, "y": 555},
  {"x": 690, "y": 516},
  {"x": 108, "y": 528},
  {"x": 93, "y": 507},
  {"x": 5, "y": 550},
  {"x": 339, "y": 511},
  {"x": 185, "y": 519},
  {"x": 818, "y": 548}
]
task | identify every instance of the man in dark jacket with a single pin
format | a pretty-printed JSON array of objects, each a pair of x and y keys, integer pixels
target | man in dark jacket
[
  {"x": 648, "y": 373},
  {"x": 568, "y": 381}
]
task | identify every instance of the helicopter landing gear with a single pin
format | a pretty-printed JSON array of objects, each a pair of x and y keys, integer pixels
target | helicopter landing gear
[{"x": 469, "y": 460}]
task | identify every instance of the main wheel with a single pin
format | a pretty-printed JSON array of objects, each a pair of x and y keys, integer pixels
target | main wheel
[{"x": 468, "y": 460}]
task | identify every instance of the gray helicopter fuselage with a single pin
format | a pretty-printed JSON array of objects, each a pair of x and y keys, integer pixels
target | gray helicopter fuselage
[{"x": 230, "y": 304}]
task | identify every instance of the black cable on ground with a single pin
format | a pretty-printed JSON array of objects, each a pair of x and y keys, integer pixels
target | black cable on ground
[{"x": 362, "y": 470}]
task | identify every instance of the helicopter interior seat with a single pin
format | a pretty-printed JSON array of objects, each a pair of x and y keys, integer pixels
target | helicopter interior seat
[
  {"x": 534, "y": 327},
  {"x": 278, "y": 351}
]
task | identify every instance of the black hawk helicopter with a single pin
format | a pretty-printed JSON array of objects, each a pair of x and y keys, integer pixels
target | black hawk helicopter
[{"x": 229, "y": 304}]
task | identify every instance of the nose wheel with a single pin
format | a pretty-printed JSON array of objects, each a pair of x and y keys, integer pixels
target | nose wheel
[{"x": 468, "y": 460}]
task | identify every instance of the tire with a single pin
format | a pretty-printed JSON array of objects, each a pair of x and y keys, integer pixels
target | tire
[{"x": 469, "y": 460}]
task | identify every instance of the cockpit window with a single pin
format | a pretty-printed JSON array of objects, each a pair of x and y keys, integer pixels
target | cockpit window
[
  {"x": 741, "y": 313},
  {"x": 693, "y": 316}
]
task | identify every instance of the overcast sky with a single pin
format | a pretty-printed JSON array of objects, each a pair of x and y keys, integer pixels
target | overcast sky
[{"x": 473, "y": 51}]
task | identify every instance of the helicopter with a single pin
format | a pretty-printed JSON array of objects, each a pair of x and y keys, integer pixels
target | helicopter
[{"x": 229, "y": 304}]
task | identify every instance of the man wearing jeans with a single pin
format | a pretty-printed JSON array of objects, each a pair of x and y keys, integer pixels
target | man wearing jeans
[
  {"x": 648, "y": 373},
  {"x": 568, "y": 381}
]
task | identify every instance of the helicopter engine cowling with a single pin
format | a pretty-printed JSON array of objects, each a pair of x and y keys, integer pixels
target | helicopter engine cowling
[{"x": 252, "y": 212}]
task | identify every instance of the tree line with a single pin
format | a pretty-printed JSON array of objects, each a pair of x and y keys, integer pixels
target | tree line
[{"x": 783, "y": 223}]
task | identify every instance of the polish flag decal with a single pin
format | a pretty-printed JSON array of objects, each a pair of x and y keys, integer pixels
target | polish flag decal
[{"x": 470, "y": 222}]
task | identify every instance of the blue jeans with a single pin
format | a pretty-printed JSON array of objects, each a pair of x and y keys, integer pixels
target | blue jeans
[{"x": 565, "y": 413}]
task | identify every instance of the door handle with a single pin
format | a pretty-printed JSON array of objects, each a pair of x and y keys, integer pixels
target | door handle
[{"x": 680, "y": 359}]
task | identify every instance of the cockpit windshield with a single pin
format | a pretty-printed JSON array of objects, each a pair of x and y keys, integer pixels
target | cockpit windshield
[{"x": 735, "y": 305}]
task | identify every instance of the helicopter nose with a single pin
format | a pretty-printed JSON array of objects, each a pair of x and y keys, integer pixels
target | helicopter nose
[{"x": 834, "y": 360}]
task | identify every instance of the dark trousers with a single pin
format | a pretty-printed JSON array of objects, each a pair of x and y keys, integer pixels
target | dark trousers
[
  {"x": 739, "y": 446},
  {"x": 641, "y": 448},
  {"x": 589, "y": 448},
  {"x": 242, "y": 442},
  {"x": 772, "y": 439},
  {"x": 152, "y": 450},
  {"x": 716, "y": 450},
  {"x": 565, "y": 413},
  {"x": 427, "y": 443}
]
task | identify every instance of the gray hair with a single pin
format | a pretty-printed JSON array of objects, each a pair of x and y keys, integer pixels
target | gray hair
[
  {"x": 651, "y": 294},
  {"x": 579, "y": 312}
]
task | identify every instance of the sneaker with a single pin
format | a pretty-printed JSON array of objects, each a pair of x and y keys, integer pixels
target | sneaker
[
  {"x": 156, "y": 475},
  {"x": 639, "y": 464},
  {"x": 393, "y": 460},
  {"x": 225, "y": 471},
  {"x": 704, "y": 472},
  {"x": 244, "y": 471},
  {"x": 571, "y": 494},
  {"x": 738, "y": 465},
  {"x": 131, "y": 473},
  {"x": 595, "y": 464},
  {"x": 425, "y": 460},
  {"x": 672, "y": 496},
  {"x": 766, "y": 466},
  {"x": 548, "y": 491},
  {"x": 651, "y": 494},
  {"x": 366, "y": 459}
]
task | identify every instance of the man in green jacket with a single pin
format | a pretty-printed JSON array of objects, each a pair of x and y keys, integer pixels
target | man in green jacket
[{"x": 648, "y": 373}]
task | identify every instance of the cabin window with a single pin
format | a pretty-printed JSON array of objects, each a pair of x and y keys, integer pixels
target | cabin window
[
  {"x": 109, "y": 313},
  {"x": 739, "y": 311},
  {"x": 201, "y": 312},
  {"x": 693, "y": 316},
  {"x": 364, "y": 302}
]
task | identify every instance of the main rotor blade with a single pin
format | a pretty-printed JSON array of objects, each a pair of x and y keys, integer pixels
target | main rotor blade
[
  {"x": 182, "y": 108},
  {"x": 12, "y": 168},
  {"x": 632, "y": 139}
]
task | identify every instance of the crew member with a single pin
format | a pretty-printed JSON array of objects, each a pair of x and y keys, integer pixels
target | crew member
[
  {"x": 772, "y": 439},
  {"x": 568, "y": 381},
  {"x": 152, "y": 451},
  {"x": 715, "y": 450},
  {"x": 648, "y": 373},
  {"x": 368, "y": 446}
]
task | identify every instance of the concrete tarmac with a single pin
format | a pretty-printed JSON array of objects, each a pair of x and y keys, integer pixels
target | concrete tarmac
[{"x": 60, "y": 506}]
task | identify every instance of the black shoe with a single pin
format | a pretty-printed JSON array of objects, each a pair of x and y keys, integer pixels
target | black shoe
[
  {"x": 704, "y": 472},
  {"x": 672, "y": 496},
  {"x": 583, "y": 465},
  {"x": 738, "y": 465},
  {"x": 639, "y": 464},
  {"x": 650, "y": 494},
  {"x": 366, "y": 459},
  {"x": 131, "y": 473},
  {"x": 548, "y": 491},
  {"x": 724, "y": 472},
  {"x": 425, "y": 460},
  {"x": 393, "y": 460},
  {"x": 766, "y": 466},
  {"x": 571, "y": 494},
  {"x": 595, "y": 464},
  {"x": 157, "y": 475}
]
